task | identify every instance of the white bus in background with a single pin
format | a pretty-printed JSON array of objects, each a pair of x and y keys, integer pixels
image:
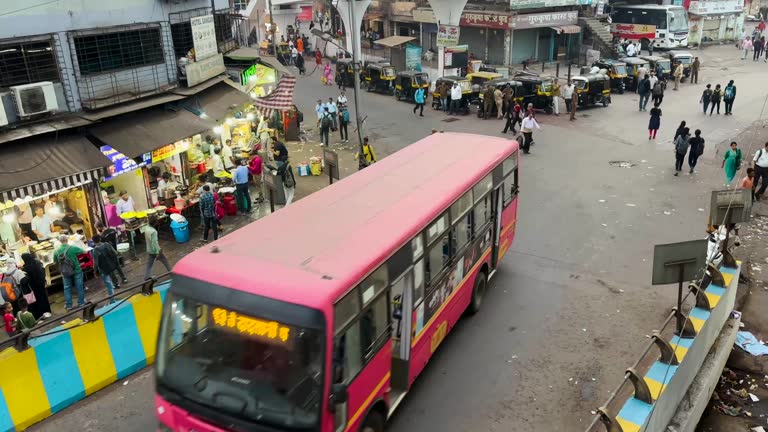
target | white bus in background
[{"x": 666, "y": 25}]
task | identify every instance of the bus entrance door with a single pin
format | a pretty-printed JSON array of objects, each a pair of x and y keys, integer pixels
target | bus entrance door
[
  {"x": 496, "y": 225},
  {"x": 402, "y": 313}
]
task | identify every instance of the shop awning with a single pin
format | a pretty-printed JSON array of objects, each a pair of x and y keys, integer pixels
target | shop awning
[
  {"x": 219, "y": 101},
  {"x": 394, "y": 41},
  {"x": 567, "y": 29},
  {"x": 42, "y": 164},
  {"x": 280, "y": 99},
  {"x": 140, "y": 132},
  {"x": 254, "y": 55}
]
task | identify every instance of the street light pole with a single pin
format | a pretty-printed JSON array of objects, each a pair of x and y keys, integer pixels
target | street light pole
[{"x": 356, "y": 71}]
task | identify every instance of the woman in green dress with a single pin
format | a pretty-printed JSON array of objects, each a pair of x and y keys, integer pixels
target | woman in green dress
[{"x": 731, "y": 162}]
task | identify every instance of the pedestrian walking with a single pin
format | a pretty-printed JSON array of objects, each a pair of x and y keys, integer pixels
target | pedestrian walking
[
  {"x": 555, "y": 98},
  {"x": 508, "y": 94},
  {"x": 455, "y": 98},
  {"x": 574, "y": 104},
  {"x": 154, "y": 252},
  {"x": 333, "y": 110},
  {"x": 487, "y": 102},
  {"x": 105, "y": 262},
  {"x": 748, "y": 182},
  {"x": 71, "y": 273},
  {"x": 760, "y": 163},
  {"x": 300, "y": 64},
  {"x": 208, "y": 213},
  {"x": 644, "y": 90},
  {"x": 343, "y": 124},
  {"x": 526, "y": 127},
  {"x": 419, "y": 97},
  {"x": 9, "y": 321},
  {"x": 678, "y": 74},
  {"x": 568, "y": 91},
  {"x": 367, "y": 156},
  {"x": 650, "y": 47},
  {"x": 655, "y": 122},
  {"x": 327, "y": 78},
  {"x": 746, "y": 46},
  {"x": 717, "y": 94},
  {"x": 729, "y": 95},
  {"x": 695, "y": 66},
  {"x": 240, "y": 178},
  {"x": 757, "y": 48},
  {"x": 326, "y": 123},
  {"x": 731, "y": 162},
  {"x": 706, "y": 97},
  {"x": 256, "y": 170},
  {"x": 25, "y": 320},
  {"x": 14, "y": 284},
  {"x": 679, "y": 131},
  {"x": 341, "y": 101},
  {"x": 445, "y": 95},
  {"x": 498, "y": 98},
  {"x": 437, "y": 96},
  {"x": 513, "y": 117},
  {"x": 642, "y": 71},
  {"x": 341, "y": 78},
  {"x": 682, "y": 142},
  {"x": 697, "y": 149},
  {"x": 35, "y": 272},
  {"x": 657, "y": 91}
]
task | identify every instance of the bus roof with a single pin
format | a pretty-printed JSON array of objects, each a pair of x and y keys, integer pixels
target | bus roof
[{"x": 314, "y": 250}]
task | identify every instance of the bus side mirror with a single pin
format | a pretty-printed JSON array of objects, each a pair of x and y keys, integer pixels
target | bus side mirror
[{"x": 339, "y": 394}]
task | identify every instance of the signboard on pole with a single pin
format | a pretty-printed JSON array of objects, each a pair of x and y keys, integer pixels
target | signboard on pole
[
  {"x": 204, "y": 37},
  {"x": 730, "y": 206},
  {"x": 413, "y": 57},
  {"x": 447, "y": 35}
]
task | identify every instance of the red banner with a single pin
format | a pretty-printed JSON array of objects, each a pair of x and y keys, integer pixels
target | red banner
[
  {"x": 305, "y": 15},
  {"x": 485, "y": 19}
]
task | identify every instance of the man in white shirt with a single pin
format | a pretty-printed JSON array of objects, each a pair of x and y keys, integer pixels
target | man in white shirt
[
  {"x": 333, "y": 110},
  {"x": 455, "y": 98},
  {"x": 761, "y": 171},
  {"x": 25, "y": 215},
  {"x": 124, "y": 204},
  {"x": 653, "y": 79},
  {"x": 526, "y": 127},
  {"x": 631, "y": 50},
  {"x": 226, "y": 155},
  {"x": 294, "y": 54},
  {"x": 319, "y": 110},
  {"x": 642, "y": 71},
  {"x": 342, "y": 100},
  {"x": 568, "y": 94},
  {"x": 42, "y": 226}
]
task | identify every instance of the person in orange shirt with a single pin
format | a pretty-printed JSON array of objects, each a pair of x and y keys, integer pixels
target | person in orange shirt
[
  {"x": 300, "y": 45},
  {"x": 748, "y": 182}
]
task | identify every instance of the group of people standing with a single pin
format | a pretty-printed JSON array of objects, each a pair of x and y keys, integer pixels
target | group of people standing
[
  {"x": 333, "y": 115},
  {"x": 685, "y": 144},
  {"x": 711, "y": 98}
]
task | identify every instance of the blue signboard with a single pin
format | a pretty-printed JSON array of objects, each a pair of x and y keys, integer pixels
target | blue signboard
[
  {"x": 121, "y": 163},
  {"x": 413, "y": 57}
]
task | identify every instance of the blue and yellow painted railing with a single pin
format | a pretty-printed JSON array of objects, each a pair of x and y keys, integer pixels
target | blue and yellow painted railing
[
  {"x": 70, "y": 362},
  {"x": 635, "y": 412}
]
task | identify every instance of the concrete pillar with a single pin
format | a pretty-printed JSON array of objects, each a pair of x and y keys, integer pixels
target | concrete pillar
[
  {"x": 508, "y": 47},
  {"x": 360, "y": 7},
  {"x": 447, "y": 12}
]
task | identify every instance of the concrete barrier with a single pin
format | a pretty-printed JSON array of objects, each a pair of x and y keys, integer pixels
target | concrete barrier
[{"x": 70, "y": 362}]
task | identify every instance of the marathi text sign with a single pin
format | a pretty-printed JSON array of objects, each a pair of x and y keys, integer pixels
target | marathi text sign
[
  {"x": 634, "y": 31},
  {"x": 551, "y": 19},
  {"x": 484, "y": 19},
  {"x": 530, "y": 4},
  {"x": 169, "y": 150},
  {"x": 715, "y": 7},
  {"x": 204, "y": 37},
  {"x": 447, "y": 35}
]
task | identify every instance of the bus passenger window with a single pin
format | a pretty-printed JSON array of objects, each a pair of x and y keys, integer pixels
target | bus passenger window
[
  {"x": 482, "y": 212},
  {"x": 463, "y": 233},
  {"x": 347, "y": 355},
  {"x": 418, "y": 283},
  {"x": 374, "y": 325},
  {"x": 510, "y": 188},
  {"x": 438, "y": 257}
]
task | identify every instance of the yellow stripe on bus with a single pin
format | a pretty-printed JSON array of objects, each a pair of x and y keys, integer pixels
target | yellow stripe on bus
[
  {"x": 367, "y": 402},
  {"x": 450, "y": 297}
]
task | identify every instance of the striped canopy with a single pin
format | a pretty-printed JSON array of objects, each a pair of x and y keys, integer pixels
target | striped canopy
[{"x": 281, "y": 98}]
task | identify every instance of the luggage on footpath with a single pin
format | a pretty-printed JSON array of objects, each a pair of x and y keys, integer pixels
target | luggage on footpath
[
  {"x": 303, "y": 169},
  {"x": 316, "y": 165}
]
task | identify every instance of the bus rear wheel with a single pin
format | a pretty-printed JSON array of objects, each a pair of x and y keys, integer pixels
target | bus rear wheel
[
  {"x": 373, "y": 423},
  {"x": 478, "y": 292}
]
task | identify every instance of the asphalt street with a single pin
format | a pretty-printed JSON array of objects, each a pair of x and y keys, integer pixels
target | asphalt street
[{"x": 572, "y": 303}]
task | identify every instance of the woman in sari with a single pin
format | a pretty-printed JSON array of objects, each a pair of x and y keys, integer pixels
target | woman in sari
[
  {"x": 328, "y": 74},
  {"x": 731, "y": 162}
]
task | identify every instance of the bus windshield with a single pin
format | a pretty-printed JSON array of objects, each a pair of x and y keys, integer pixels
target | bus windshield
[
  {"x": 255, "y": 370},
  {"x": 678, "y": 20}
]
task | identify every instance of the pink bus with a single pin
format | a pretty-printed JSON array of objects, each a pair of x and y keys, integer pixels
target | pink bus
[{"x": 320, "y": 317}]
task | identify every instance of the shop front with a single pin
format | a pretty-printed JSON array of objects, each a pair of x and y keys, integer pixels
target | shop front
[
  {"x": 50, "y": 189},
  {"x": 545, "y": 36},
  {"x": 256, "y": 75},
  {"x": 712, "y": 21},
  {"x": 486, "y": 33}
]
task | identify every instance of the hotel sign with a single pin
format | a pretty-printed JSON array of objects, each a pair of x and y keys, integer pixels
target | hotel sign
[{"x": 203, "y": 70}]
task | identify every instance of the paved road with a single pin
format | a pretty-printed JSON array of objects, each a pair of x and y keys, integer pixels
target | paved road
[{"x": 571, "y": 304}]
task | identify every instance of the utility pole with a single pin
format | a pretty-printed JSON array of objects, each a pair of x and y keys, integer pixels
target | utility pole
[
  {"x": 356, "y": 71},
  {"x": 272, "y": 30}
]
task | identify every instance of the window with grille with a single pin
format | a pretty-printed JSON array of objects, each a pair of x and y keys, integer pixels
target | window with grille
[
  {"x": 120, "y": 50},
  {"x": 26, "y": 63}
]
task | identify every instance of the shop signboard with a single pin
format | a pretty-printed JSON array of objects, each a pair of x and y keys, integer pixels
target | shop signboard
[
  {"x": 204, "y": 37},
  {"x": 169, "y": 150},
  {"x": 447, "y": 35},
  {"x": 634, "y": 31},
  {"x": 456, "y": 57},
  {"x": 413, "y": 57},
  {"x": 716, "y": 7},
  {"x": 203, "y": 70},
  {"x": 121, "y": 163},
  {"x": 549, "y": 19},
  {"x": 424, "y": 16},
  {"x": 531, "y": 4},
  {"x": 257, "y": 74},
  {"x": 485, "y": 19},
  {"x": 305, "y": 15}
]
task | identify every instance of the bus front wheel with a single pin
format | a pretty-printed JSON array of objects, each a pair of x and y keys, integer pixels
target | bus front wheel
[
  {"x": 373, "y": 423},
  {"x": 478, "y": 292}
]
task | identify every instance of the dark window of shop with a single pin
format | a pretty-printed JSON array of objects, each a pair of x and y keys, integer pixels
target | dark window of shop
[
  {"x": 119, "y": 50},
  {"x": 181, "y": 35},
  {"x": 223, "y": 24},
  {"x": 25, "y": 63}
]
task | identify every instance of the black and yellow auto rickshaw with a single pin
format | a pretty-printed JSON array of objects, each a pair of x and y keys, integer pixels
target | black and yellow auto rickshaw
[
  {"x": 345, "y": 71},
  {"x": 616, "y": 70},
  {"x": 447, "y": 82},
  {"x": 633, "y": 66},
  {"x": 664, "y": 62},
  {"x": 593, "y": 89},
  {"x": 683, "y": 57},
  {"x": 537, "y": 90},
  {"x": 477, "y": 81},
  {"x": 380, "y": 77},
  {"x": 407, "y": 82},
  {"x": 501, "y": 84}
]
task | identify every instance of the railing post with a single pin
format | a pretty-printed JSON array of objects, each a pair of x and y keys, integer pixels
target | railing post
[
  {"x": 609, "y": 421},
  {"x": 89, "y": 312},
  {"x": 688, "y": 330},
  {"x": 702, "y": 301},
  {"x": 714, "y": 275},
  {"x": 642, "y": 392},
  {"x": 667, "y": 353}
]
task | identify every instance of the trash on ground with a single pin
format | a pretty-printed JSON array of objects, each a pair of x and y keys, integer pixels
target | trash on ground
[{"x": 748, "y": 342}]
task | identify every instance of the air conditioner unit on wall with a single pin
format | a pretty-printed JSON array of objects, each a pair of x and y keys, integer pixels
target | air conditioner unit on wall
[{"x": 35, "y": 98}]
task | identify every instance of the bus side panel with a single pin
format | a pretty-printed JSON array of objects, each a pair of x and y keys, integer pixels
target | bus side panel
[
  {"x": 447, "y": 316},
  {"x": 508, "y": 226},
  {"x": 370, "y": 385}
]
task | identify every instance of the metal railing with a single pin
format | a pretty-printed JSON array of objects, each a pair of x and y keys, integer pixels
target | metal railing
[{"x": 86, "y": 313}]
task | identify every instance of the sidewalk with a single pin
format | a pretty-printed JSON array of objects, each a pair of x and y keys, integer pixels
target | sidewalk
[{"x": 299, "y": 152}]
